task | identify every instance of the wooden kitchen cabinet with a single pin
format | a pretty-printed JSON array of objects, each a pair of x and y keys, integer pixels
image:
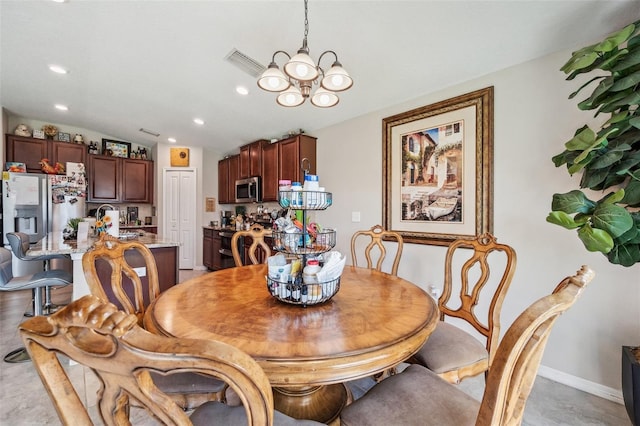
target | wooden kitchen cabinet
[
  {"x": 207, "y": 247},
  {"x": 64, "y": 152},
  {"x": 291, "y": 152},
  {"x": 103, "y": 177},
  {"x": 31, "y": 150},
  {"x": 270, "y": 165},
  {"x": 228, "y": 172},
  {"x": 136, "y": 185},
  {"x": 251, "y": 159},
  {"x": 211, "y": 245},
  {"x": 119, "y": 180}
]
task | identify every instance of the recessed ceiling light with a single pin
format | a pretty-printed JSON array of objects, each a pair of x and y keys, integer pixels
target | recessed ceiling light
[
  {"x": 62, "y": 107},
  {"x": 198, "y": 121},
  {"x": 60, "y": 1},
  {"x": 172, "y": 140},
  {"x": 58, "y": 69},
  {"x": 242, "y": 90}
]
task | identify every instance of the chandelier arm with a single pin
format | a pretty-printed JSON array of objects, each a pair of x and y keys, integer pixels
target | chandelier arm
[
  {"x": 273, "y": 58},
  {"x": 324, "y": 53}
]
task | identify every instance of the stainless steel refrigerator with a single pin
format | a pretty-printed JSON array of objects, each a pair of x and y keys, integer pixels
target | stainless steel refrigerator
[{"x": 38, "y": 204}]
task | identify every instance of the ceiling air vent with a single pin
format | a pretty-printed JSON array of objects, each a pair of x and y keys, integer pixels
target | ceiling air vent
[{"x": 245, "y": 63}]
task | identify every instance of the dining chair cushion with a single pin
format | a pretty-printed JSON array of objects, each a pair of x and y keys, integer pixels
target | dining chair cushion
[
  {"x": 226, "y": 415},
  {"x": 403, "y": 392},
  {"x": 449, "y": 347}
]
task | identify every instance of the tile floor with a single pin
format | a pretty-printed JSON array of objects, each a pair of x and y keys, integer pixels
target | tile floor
[{"x": 24, "y": 401}]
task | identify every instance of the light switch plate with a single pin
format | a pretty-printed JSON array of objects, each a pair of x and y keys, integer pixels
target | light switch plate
[
  {"x": 355, "y": 216},
  {"x": 141, "y": 271}
]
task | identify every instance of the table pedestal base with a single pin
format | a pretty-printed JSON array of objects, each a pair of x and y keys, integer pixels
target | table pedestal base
[{"x": 319, "y": 403}]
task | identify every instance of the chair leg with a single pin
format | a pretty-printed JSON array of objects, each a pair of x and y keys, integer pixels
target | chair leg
[
  {"x": 21, "y": 354},
  {"x": 49, "y": 307}
]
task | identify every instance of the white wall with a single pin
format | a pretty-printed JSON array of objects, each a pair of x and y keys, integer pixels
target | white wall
[{"x": 533, "y": 119}]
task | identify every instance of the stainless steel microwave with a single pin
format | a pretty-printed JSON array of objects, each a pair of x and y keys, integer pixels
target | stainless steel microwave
[{"x": 249, "y": 190}]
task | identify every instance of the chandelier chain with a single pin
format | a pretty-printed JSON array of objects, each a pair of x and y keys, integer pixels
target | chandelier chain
[{"x": 306, "y": 20}]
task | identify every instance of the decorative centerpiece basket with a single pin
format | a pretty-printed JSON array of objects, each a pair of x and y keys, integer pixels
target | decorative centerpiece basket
[
  {"x": 301, "y": 293},
  {"x": 305, "y": 241}
]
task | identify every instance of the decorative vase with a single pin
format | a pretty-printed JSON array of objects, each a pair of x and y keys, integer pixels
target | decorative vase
[{"x": 631, "y": 382}]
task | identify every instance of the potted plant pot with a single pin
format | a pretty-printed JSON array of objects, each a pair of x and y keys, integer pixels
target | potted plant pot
[{"x": 631, "y": 382}]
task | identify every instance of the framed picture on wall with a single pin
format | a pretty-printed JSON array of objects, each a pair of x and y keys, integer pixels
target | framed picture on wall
[
  {"x": 437, "y": 163},
  {"x": 116, "y": 148}
]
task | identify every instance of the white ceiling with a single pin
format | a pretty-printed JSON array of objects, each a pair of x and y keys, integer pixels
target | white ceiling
[{"x": 159, "y": 64}]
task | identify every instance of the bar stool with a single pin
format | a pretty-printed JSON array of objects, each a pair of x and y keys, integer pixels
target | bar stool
[
  {"x": 19, "y": 243},
  {"x": 36, "y": 282}
]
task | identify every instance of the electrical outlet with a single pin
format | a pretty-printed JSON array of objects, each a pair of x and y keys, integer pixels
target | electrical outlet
[
  {"x": 355, "y": 216},
  {"x": 141, "y": 271}
]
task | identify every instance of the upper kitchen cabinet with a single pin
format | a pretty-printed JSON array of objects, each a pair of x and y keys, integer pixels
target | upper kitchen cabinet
[
  {"x": 291, "y": 152},
  {"x": 31, "y": 150},
  {"x": 270, "y": 167},
  {"x": 137, "y": 181},
  {"x": 228, "y": 173},
  {"x": 251, "y": 159},
  {"x": 120, "y": 180}
]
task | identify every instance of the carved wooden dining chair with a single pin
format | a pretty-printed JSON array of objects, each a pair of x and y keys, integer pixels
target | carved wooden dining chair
[
  {"x": 132, "y": 293},
  {"x": 124, "y": 356},
  {"x": 509, "y": 381},
  {"x": 374, "y": 238},
  {"x": 257, "y": 232},
  {"x": 451, "y": 352}
]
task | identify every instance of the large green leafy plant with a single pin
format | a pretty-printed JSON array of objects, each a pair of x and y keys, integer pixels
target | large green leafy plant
[{"x": 608, "y": 158}]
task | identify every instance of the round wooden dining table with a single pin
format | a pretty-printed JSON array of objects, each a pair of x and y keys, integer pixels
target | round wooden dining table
[{"x": 373, "y": 323}]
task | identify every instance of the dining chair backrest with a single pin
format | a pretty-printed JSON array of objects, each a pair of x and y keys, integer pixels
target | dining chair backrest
[
  {"x": 374, "y": 238},
  {"x": 95, "y": 334},
  {"x": 124, "y": 286},
  {"x": 418, "y": 396},
  {"x": 258, "y": 233},
  {"x": 473, "y": 275}
]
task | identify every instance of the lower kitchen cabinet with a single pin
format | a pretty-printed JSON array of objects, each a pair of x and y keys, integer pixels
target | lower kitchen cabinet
[{"x": 211, "y": 246}]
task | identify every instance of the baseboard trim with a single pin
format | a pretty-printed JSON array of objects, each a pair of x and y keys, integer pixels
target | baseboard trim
[{"x": 584, "y": 385}]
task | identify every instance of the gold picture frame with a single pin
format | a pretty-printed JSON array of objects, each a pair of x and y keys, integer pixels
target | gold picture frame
[{"x": 437, "y": 165}]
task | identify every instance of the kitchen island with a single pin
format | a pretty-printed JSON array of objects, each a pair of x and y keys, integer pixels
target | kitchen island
[{"x": 165, "y": 253}]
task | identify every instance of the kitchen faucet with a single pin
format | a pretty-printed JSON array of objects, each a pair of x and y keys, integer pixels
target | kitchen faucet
[{"x": 102, "y": 206}]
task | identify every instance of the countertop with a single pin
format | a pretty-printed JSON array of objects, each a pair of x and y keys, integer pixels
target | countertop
[
  {"x": 53, "y": 243},
  {"x": 132, "y": 226}
]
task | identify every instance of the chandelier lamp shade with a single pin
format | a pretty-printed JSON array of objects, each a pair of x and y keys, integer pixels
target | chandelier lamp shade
[{"x": 299, "y": 74}]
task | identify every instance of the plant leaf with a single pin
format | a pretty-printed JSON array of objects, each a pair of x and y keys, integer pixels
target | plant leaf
[
  {"x": 625, "y": 255},
  {"x": 613, "y": 197},
  {"x": 573, "y": 95},
  {"x": 592, "y": 178},
  {"x": 615, "y": 39},
  {"x": 580, "y": 59},
  {"x": 615, "y": 118},
  {"x": 613, "y": 219},
  {"x": 626, "y": 82},
  {"x": 582, "y": 140},
  {"x": 572, "y": 202},
  {"x": 631, "y": 59},
  {"x": 562, "y": 219},
  {"x": 632, "y": 193},
  {"x": 635, "y": 122},
  {"x": 595, "y": 239},
  {"x": 606, "y": 160}
]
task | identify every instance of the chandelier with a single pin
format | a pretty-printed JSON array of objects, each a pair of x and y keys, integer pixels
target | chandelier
[{"x": 301, "y": 73}]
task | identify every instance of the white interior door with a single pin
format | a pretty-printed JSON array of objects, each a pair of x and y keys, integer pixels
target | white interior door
[{"x": 180, "y": 213}]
